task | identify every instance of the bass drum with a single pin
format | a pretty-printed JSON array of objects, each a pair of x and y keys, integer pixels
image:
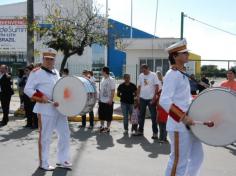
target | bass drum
[
  {"x": 217, "y": 105},
  {"x": 75, "y": 95}
]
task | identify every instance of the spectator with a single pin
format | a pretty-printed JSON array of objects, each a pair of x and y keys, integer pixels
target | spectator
[
  {"x": 206, "y": 81},
  {"x": 134, "y": 117},
  {"x": 161, "y": 115},
  {"x": 106, "y": 96},
  {"x": 126, "y": 91},
  {"x": 193, "y": 85},
  {"x": 32, "y": 120},
  {"x": 230, "y": 82},
  {"x": 91, "y": 77},
  {"x": 91, "y": 114},
  {"x": 6, "y": 92},
  {"x": 20, "y": 88},
  {"x": 160, "y": 78},
  {"x": 148, "y": 84}
]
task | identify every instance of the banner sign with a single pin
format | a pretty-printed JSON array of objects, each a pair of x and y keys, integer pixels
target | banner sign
[{"x": 13, "y": 35}]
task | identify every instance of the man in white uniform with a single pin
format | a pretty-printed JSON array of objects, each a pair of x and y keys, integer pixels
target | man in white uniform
[
  {"x": 186, "y": 150},
  {"x": 39, "y": 87}
]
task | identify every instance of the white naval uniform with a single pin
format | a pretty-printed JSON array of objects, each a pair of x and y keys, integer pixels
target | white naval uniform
[
  {"x": 49, "y": 118},
  {"x": 186, "y": 150}
]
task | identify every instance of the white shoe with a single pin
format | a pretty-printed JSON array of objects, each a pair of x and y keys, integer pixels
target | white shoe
[
  {"x": 66, "y": 165},
  {"x": 47, "y": 168}
]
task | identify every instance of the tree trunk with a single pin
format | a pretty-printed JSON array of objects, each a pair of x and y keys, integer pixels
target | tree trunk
[
  {"x": 30, "y": 32},
  {"x": 63, "y": 63}
]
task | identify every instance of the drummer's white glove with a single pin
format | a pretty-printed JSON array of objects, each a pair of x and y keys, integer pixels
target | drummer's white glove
[{"x": 188, "y": 120}]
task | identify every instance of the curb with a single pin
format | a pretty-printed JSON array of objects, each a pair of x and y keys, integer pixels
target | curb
[{"x": 79, "y": 119}]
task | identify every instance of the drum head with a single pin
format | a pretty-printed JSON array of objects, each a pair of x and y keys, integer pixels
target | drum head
[
  {"x": 217, "y": 105},
  {"x": 72, "y": 94}
]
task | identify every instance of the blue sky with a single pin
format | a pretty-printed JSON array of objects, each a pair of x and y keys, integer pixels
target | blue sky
[{"x": 205, "y": 41}]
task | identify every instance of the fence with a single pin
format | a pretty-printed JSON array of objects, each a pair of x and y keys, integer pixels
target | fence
[{"x": 213, "y": 69}]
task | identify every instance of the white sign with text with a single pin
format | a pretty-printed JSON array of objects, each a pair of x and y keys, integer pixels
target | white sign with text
[{"x": 13, "y": 35}]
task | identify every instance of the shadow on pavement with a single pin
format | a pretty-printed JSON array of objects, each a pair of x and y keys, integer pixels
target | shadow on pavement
[
  {"x": 57, "y": 172},
  {"x": 39, "y": 172},
  {"x": 82, "y": 134},
  {"x": 18, "y": 134},
  {"x": 104, "y": 141},
  {"x": 61, "y": 172},
  {"x": 231, "y": 148},
  {"x": 154, "y": 149}
]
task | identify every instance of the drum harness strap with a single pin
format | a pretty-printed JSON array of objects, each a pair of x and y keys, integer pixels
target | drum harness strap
[
  {"x": 47, "y": 70},
  {"x": 193, "y": 79}
]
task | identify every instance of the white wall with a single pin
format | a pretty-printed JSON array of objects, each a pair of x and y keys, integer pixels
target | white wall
[
  {"x": 76, "y": 63},
  {"x": 144, "y": 48}
]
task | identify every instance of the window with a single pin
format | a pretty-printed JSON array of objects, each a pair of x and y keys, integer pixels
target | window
[
  {"x": 156, "y": 64},
  {"x": 150, "y": 63}
]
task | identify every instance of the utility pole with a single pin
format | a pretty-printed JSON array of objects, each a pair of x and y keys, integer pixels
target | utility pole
[
  {"x": 182, "y": 25},
  {"x": 131, "y": 20},
  {"x": 30, "y": 31}
]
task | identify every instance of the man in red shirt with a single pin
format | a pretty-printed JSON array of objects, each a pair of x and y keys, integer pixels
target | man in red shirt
[{"x": 230, "y": 82}]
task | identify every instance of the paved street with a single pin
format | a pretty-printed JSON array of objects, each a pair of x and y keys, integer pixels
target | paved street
[{"x": 95, "y": 154}]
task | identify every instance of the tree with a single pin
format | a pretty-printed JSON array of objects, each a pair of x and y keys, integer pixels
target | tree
[
  {"x": 30, "y": 31},
  {"x": 213, "y": 71},
  {"x": 73, "y": 29}
]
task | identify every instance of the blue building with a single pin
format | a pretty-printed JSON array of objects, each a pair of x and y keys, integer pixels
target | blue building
[{"x": 115, "y": 58}]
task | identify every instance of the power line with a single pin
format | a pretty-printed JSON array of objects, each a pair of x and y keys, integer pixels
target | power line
[
  {"x": 209, "y": 25},
  {"x": 155, "y": 25}
]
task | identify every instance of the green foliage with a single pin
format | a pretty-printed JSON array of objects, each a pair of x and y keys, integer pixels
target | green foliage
[
  {"x": 213, "y": 71},
  {"x": 73, "y": 29}
]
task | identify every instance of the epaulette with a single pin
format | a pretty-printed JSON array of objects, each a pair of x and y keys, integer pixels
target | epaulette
[{"x": 36, "y": 69}]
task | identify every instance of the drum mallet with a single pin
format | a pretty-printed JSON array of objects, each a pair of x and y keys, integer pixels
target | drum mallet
[{"x": 209, "y": 123}]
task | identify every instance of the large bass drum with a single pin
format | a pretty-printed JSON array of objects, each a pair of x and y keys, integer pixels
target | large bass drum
[
  {"x": 217, "y": 105},
  {"x": 75, "y": 95}
]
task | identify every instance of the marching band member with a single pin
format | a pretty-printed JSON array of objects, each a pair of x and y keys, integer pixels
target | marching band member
[
  {"x": 39, "y": 87},
  {"x": 186, "y": 150}
]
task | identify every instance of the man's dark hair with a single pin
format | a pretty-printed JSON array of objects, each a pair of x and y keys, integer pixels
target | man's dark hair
[
  {"x": 66, "y": 70},
  {"x": 90, "y": 72},
  {"x": 232, "y": 70},
  {"x": 126, "y": 75},
  {"x": 144, "y": 66},
  {"x": 106, "y": 70},
  {"x": 171, "y": 58}
]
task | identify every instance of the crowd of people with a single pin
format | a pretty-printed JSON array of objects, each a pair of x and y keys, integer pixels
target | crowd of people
[{"x": 167, "y": 98}]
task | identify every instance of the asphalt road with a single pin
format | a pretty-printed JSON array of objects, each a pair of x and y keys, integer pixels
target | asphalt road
[{"x": 95, "y": 154}]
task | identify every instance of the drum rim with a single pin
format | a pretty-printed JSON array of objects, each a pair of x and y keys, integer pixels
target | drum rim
[{"x": 203, "y": 92}]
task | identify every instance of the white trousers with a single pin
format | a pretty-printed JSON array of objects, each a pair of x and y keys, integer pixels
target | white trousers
[
  {"x": 186, "y": 154},
  {"x": 47, "y": 124}
]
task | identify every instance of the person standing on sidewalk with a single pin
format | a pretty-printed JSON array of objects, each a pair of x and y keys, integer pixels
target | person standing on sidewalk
[
  {"x": 32, "y": 120},
  {"x": 161, "y": 114},
  {"x": 39, "y": 87},
  {"x": 148, "y": 85},
  {"x": 6, "y": 92},
  {"x": 126, "y": 91},
  {"x": 230, "y": 83},
  {"x": 107, "y": 92},
  {"x": 86, "y": 75}
]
